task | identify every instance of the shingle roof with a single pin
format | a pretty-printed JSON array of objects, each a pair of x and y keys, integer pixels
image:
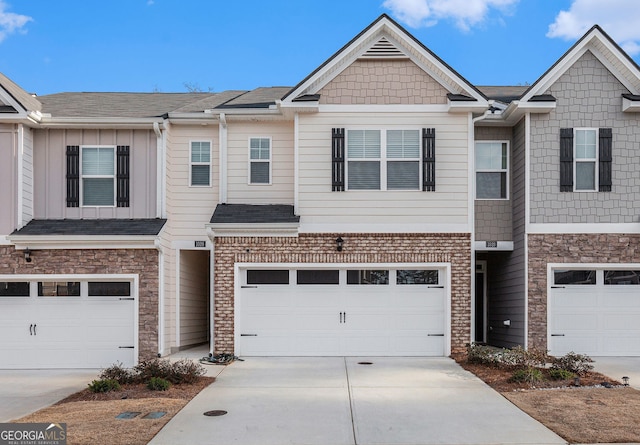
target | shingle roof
[
  {"x": 132, "y": 227},
  {"x": 136, "y": 105},
  {"x": 259, "y": 98},
  {"x": 253, "y": 214},
  {"x": 504, "y": 93},
  {"x": 26, "y": 100}
]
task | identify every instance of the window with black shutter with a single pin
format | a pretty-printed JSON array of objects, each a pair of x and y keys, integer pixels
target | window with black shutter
[
  {"x": 73, "y": 176},
  {"x": 605, "y": 153},
  {"x": 566, "y": 159},
  {"x": 428, "y": 159},
  {"x": 122, "y": 176},
  {"x": 337, "y": 160}
]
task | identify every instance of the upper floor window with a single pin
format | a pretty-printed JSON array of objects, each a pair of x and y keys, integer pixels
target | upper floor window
[
  {"x": 492, "y": 170},
  {"x": 383, "y": 160},
  {"x": 259, "y": 161},
  {"x": 586, "y": 159},
  {"x": 98, "y": 176},
  {"x": 200, "y": 163}
]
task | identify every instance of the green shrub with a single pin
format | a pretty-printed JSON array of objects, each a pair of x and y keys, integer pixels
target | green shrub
[
  {"x": 183, "y": 371},
  {"x": 527, "y": 375},
  {"x": 577, "y": 363},
  {"x": 104, "y": 385},
  {"x": 561, "y": 374},
  {"x": 118, "y": 373},
  {"x": 158, "y": 384}
]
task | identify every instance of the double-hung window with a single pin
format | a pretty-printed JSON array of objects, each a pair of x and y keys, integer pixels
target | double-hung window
[
  {"x": 492, "y": 170},
  {"x": 98, "y": 176},
  {"x": 586, "y": 159},
  {"x": 383, "y": 160},
  {"x": 259, "y": 161},
  {"x": 200, "y": 163}
]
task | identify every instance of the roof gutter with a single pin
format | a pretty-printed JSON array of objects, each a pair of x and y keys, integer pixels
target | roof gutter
[{"x": 100, "y": 122}]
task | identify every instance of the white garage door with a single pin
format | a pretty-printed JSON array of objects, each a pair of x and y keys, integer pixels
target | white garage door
[
  {"x": 595, "y": 312},
  {"x": 336, "y": 312},
  {"x": 67, "y": 324}
]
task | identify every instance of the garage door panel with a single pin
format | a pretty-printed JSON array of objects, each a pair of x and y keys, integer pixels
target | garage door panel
[
  {"x": 574, "y": 299},
  {"x": 561, "y": 322},
  {"x": 341, "y": 319},
  {"x": 616, "y": 299},
  {"x": 622, "y": 323},
  {"x": 583, "y": 344}
]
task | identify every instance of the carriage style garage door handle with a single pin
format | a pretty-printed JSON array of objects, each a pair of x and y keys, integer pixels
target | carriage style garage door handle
[
  {"x": 32, "y": 329},
  {"x": 435, "y": 335},
  {"x": 557, "y": 335},
  {"x": 343, "y": 317}
]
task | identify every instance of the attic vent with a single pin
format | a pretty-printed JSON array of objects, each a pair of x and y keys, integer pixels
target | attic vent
[{"x": 383, "y": 49}]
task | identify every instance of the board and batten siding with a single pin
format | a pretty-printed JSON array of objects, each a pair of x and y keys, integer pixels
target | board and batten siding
[
  {"x": 280, "y": 190},
  {"x": 8, "y": 175},
  {"x": 190, "y": 208},
  {"x": 322, "y": 210},
  {"x": 49, "y": 159}
]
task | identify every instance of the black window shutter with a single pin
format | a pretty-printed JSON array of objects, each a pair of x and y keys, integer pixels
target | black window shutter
[
  {"x": 337, "y": 159},
  {"x": 122, "y": 176},
  {"x": 566, "y": 159},
  {"x": 604, "y": 158},
  {"x": 428, "y": 159},
  {"x": 73, "y": 176}
]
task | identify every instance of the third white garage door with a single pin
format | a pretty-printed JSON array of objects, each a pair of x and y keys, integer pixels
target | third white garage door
[
  {"x": 336, "y": 312},
  {"x": 595, "y": 311}
]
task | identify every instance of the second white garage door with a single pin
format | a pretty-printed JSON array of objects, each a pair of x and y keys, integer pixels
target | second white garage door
[
  {"x": 594, "y": 311},
  {"x": 336, "y": 312}
]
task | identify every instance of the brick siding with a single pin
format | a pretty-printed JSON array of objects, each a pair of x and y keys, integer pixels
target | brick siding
[
  {"x": 568, "y": 248},
  {"x": 143, "y": 262},
  {"x": 358, "y": 248}
]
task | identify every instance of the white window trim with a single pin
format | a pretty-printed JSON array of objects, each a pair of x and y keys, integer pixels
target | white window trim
[
  {"x": 115, "y": 173},
  {"x": 210, "y": 163},
  {"x": 269, "y": 161},
  {"x": 383, "y": 159},
  {"x": 594, "y": 160},
  {"x": 507, "y": 170}
]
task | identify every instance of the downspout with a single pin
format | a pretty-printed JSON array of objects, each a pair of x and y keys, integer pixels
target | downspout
[
  {"x": 472, "y": 213},
  {"x": 223, "y": 158},
  {"x": 160, "y": 170},
  {"x": 212, "y": 299},
  {"x": 161, "y": 320},
  {"x": 20, "y": 185},
  {"x": 296, "y": 163}
]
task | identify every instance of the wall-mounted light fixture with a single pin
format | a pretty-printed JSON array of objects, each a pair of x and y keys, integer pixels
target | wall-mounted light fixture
[
  {"x": 339, "y": 244},
  {"x": 27, "y": 255}
]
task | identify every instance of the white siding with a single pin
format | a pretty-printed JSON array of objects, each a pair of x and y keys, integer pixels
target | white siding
[
  {"x": 321, "y": 209},
  {"x": 280, "y": 191},
  {"x": 8, "y": 174},
  {"x": 189, "y": 208},
  {"x": 27, "y": 179}
]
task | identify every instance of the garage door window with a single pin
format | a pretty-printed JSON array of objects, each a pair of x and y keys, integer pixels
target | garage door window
[
  {"x": 110, "y": 289},
  {"x": 367, "y": 277},
  {"x": 621, "y": 277},
  {"x": 59, "y": 289},
  {"x": 574, "y": 277},
  {"x": 14, "y": 289},
  {"x": 417, "y": 277},
  {"x": 318, "y": 277},
  {"x": 256, "y": 276}
]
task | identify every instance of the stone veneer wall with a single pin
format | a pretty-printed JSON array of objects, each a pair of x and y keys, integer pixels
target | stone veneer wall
[
  {"x": 569, "y": 248},
  {"x": 383, "y": 82},
  {"x": 358, "y": 248},
  {"x": 143, "y": 262}
]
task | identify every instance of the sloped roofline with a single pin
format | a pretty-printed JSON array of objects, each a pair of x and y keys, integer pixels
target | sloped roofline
[
  {"x": 365, "y": 31},
  {"x": 533, "y": 89},
  {"x": 20, "y": 96}
]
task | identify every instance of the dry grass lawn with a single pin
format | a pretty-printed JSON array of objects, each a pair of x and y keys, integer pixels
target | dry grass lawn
[
  {"x": 91, "y": 418},
  {"x": 585, "y": 415}
]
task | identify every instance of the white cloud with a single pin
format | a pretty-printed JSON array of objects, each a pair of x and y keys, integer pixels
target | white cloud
[
  {"x": 465, "y": 13},
  {"x": 617, "y": 17},
  {"x": 11, "y": 22}
]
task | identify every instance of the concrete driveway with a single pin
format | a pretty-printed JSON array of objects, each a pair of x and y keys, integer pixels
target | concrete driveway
[
  {"x": 618, "y": 367},
  {"x": 25, "y": 391},
  {"x": 337, "y": 401}
]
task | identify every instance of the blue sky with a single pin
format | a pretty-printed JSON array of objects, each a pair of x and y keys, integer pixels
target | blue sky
[{"x": 49, "y": 46}]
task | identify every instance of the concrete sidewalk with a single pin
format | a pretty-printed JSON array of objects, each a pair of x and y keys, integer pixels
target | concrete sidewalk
[
  {"x": 618, "y": 367},
  {"x": 336, "y": 400},
  {"x": 25, "y": 391}
]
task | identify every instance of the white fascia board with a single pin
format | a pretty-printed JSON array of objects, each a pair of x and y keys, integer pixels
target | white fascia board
[
  {"x": 541, "y": 107},
  {"x": 630, "y": 106},
  {"x": 57, "y": 242},
  {"x": 300, "y": 107},
  {"x": 395, "y": 108},
  {"x": 573, "y": 228},
  {"x": 257, "y": 230},
  {"x": 100, "y": 122},
  {"x": 467, "y": 106},
  {"x": 385, "y": 228},
  {"x": 504, "y": 246}
]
